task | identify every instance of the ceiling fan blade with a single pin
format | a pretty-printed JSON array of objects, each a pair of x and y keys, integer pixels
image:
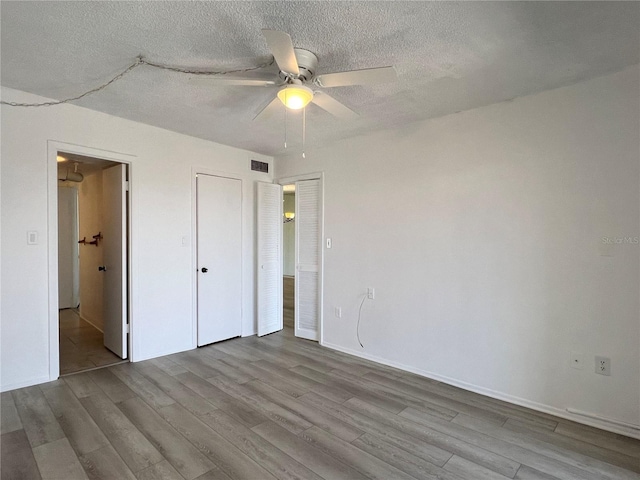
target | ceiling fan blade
[
  {"x": 282, "y": 49},
  {"x": 268, "y": 110},
  {"x": 225, "y": 80},
  {"x": 333, "y": 106},
  {"x": 368, "y": 76}
]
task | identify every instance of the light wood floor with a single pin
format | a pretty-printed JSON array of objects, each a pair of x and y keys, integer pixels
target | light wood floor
[
  {"x": 81, "y": 345},
  {"x": 288, "y": 305},
  {"x": 281, "y": 407}
]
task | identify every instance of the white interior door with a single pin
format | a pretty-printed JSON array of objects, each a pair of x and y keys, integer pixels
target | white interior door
[
  {"x": 68, "y": 268},
  {"x": 269, "y": 258},
  {"x": 308, "y": 254},
  {"x": 219, "y": 251},
  {"x": 114, "y": 244}
]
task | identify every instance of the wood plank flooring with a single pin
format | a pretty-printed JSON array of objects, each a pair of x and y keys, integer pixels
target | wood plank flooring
[
  {"x": 81, "y": 345},
  {"x": 278, "y": 407},
  {"x": 288, "y": 304}
]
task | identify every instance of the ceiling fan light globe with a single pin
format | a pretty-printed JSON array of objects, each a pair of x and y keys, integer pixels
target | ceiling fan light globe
[{"x": 295, "y": 97}]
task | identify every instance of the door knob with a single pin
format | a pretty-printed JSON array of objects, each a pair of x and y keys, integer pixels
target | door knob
[
  {"x": 102, "y": 268},
  {"x": 204, "y": 270}
]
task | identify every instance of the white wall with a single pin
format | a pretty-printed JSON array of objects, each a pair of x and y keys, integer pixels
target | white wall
[
  {"x": 289, "y": 237},
  {"x": 161, "y": 190},
  {"x": 90, "y": 213},
  {"x": 482, "y": 234}
]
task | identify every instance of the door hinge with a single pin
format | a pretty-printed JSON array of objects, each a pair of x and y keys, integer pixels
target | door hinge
[
  {"x": 126, "y": 185},
  {"x": 128, "y": 328}
]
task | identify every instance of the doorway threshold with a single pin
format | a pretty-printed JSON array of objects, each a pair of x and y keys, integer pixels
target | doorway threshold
[{"x": 94, "y": 368}]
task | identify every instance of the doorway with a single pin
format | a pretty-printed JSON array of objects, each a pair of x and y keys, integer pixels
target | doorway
[
  {"x": 93, "y": 206},
  {"x": 288, "y": 255}
]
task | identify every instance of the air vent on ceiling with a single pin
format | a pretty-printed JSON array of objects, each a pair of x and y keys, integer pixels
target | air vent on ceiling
[{"x": 257, "y": 166}]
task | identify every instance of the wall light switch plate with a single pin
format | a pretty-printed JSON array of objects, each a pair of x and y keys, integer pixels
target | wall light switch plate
[
  {"x": 32, "y": 238},
  {"x": 371, "y": 293},
  {"x": 577, "y": 360},
  {"x": 338, "y": 312},
  {"x": 329, "y": 243}
]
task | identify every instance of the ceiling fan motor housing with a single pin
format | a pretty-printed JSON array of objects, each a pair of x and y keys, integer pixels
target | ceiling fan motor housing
[{"x": 307, "y": 64}]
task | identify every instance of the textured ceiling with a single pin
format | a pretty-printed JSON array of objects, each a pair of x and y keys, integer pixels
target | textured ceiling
[{"x": 449, "y": 56}]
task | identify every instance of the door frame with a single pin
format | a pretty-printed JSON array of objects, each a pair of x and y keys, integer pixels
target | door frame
[
  {"x": 320, "y": 177},
  {"x": 195, "y": 171},
  {"x": 53, "y": 147}
]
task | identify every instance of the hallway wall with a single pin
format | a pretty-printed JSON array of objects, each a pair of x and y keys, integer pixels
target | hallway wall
[
  {"x": 289, "y": 237},
  {"x": 68, "y": 274}
]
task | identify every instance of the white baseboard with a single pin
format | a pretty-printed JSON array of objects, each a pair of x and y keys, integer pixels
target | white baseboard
[
  {"x": 585, "y": 418},
  {"x": 600, "y": 418},
  {"x": 163, "y": 353},
  {"x": 28, "y": 383},
  {"x": 82, "y": 317}
]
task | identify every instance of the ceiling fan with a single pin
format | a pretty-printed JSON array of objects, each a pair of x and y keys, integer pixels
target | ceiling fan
[{"x": 297, "y": 79}]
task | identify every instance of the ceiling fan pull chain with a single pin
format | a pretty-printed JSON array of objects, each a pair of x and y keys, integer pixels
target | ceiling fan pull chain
[
  {"x": 304, "y": 130},
  {"x": 285, "y": 127}
]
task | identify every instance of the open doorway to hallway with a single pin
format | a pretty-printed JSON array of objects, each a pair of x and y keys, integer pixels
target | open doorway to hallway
[
  {"x": 288, "y": 255},
  {"x": 92, "y": 262}
]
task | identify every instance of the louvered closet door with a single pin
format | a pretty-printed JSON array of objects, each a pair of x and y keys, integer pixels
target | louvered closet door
[
  {"x": 307, "y": 308},
  {"x": 269, "y": 258}
]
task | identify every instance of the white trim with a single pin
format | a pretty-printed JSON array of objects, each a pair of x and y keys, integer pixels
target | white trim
[
  {"x": 52, "y": 260},
  {"x": 591, "y": 420},
  {"x": 53, "y": 147},
  {"x": 320, "y": 177},
  {"x": 131, "y": 258},
  {"x": 296, "y": 178},
  {"x": 160, "y": 353},
  {"x": 90, "y": 323},
  {"x": 600, "y": 418},
  {"x": 195, "y": 171},
  {"x": 28, "y": 383},
  {"x": 308, "y": 334}
]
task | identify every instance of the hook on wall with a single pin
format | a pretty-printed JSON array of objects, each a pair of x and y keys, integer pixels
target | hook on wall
[{"x": 96, "y": 239}]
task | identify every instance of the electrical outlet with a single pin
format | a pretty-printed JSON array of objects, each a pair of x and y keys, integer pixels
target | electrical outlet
[
  {"x": 603, "y": 366},
  {"x": 577, "y": 360},
  {"x": 371, "y": 293},
  {"x": 338, "y": 312}
]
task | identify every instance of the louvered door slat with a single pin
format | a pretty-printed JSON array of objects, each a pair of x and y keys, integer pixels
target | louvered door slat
[
  {"x": 269, "y": 258},
  {"x": 307, "y": 311}
]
